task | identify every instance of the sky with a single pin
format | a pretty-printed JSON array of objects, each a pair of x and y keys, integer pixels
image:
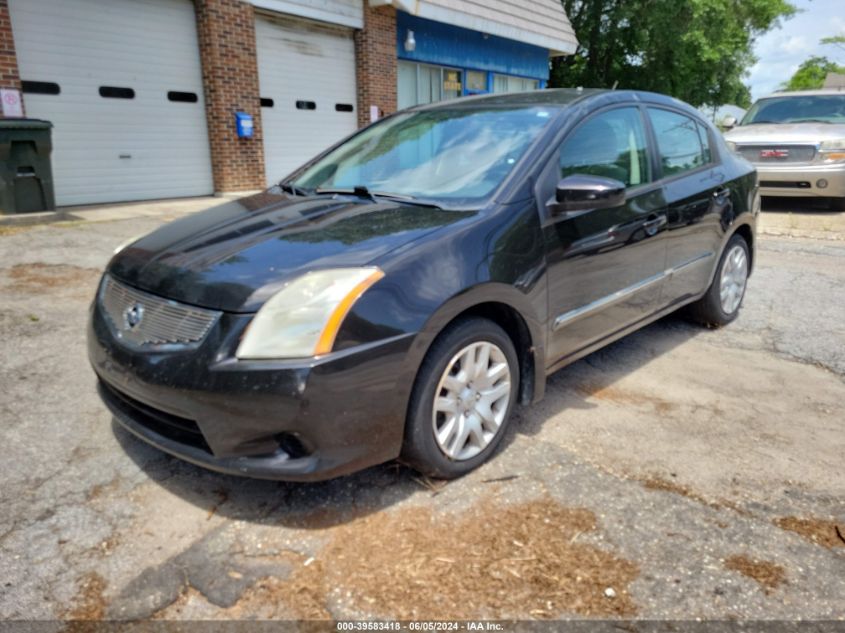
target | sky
[{"x": 781, "y": 50}]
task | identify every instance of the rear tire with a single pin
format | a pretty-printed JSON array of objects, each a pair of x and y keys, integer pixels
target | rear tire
[
  {"x": 721, "y": 303},
  {"x": 462, "y": 400}
]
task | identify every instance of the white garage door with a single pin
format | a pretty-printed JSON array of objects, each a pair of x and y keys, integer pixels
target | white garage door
[
  {"x": 307, "y": 78},
  {"x": 122, "y": 84}
]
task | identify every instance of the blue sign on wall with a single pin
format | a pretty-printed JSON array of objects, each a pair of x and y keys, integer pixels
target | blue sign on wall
[
  {"x": 447, "y": 45},
  {"x": 243, "y": 121}
]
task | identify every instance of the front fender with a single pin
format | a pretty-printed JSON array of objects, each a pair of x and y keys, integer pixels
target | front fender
[{"x": 530, "y": 307}]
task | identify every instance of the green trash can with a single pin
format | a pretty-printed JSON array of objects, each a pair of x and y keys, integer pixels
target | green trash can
[{"x": 26, "y": 175}]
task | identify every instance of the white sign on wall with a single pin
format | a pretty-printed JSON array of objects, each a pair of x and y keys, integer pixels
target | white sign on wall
[{"x": 11, "y": 100}]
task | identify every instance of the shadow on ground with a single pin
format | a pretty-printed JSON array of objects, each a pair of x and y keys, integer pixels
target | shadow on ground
[
  {"x": 808, "y": 205},
  {"x": 324, "y": 504}
]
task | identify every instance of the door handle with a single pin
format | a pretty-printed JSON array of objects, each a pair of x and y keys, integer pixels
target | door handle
[
  {"x": 721, "y": 193},
  {"x": 653, "y": 224}
]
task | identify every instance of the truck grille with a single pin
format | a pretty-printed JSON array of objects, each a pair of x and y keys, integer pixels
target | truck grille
[
  {"x": 141, "y": 319},
  {"x": 763, "y": 154}
]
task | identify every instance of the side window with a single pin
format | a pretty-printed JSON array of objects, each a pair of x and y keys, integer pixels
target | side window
[
  {"x": 681, "y": 141},
  {"x": 611, "y": 144}
]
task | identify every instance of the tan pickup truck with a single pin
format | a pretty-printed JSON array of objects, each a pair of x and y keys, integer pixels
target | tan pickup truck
[{"x": 796, "y": 140}]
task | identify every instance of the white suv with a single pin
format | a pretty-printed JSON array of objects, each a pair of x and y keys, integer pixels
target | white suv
[{"x": 796, "y": 140}]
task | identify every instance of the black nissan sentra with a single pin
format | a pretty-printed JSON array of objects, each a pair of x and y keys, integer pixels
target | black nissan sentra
[{"x": 398, "y": 295}]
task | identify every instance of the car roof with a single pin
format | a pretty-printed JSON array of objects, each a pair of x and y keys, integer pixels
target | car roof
[
  {"x": 557, "y": 97},
  {"x": 805, "y": 93}
]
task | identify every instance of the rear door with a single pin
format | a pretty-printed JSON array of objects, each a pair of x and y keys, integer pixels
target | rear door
[
  {"x": 605, "y": 267},
  {"x": 696, "y": 195}
]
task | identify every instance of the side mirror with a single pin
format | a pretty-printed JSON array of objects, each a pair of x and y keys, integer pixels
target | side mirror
[
  {"x": 729, "y": 122},
  {"x": 576, "y": 195}
]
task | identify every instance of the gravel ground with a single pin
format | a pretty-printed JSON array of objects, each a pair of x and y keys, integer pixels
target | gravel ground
[{"x": 679, "y": 473}]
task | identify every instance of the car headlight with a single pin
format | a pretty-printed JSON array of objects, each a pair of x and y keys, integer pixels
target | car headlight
[
  {"x": 303, "y": 318},
  {"x": 731, "y": 145},
  {"x": 833, "y": 151}
]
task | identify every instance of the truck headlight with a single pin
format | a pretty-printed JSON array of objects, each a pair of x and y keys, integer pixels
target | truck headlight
[
  {"x": 833, "y": 151},
  {"x": 731, "y": 145},
  {"x": 303, "y": 318}
]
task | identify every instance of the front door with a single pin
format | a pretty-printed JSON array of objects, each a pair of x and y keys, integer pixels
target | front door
[{"x": 605, "y": 267}]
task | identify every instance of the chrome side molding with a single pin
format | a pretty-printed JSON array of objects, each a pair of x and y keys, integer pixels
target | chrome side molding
[{"x": 624, "y": 293}]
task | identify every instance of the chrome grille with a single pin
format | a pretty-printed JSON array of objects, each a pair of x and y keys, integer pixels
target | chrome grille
[
  {"x": 141, "y": 319},
  {"x": 774, "y": 154}
]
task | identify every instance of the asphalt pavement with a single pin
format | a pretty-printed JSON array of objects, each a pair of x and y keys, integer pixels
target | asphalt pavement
[{"x": 678, "y": 473}]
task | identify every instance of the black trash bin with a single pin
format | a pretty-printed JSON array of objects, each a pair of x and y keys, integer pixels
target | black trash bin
[{"x": 26, "y": 175}]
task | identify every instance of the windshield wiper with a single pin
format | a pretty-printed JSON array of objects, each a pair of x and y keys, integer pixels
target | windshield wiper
[
  {"x": 358, "y": 190},
  {"x": 362, "y": 191},
  {"x": 761, "y": 121},
  {"x": 812, "y": 121},
  {"x": 294, "y": 190},
  {"x": 398, "y": 197}
]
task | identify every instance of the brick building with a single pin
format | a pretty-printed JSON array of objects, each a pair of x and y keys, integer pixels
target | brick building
[{"x": 143, "y": 94}]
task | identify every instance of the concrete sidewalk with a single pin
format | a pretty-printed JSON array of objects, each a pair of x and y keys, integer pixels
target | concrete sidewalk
[{"x": 164, "y": 209}]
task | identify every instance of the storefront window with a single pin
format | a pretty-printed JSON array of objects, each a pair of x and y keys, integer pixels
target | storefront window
[
  {"x": 422, "y": 83},
  {"x": 407, "y": 89},
  {"x": 476, "y": 81},
  {"x": 426, "y": 83},
  {"x": 509, "y": 83}
]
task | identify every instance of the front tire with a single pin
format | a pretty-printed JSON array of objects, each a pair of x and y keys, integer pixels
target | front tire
[
  {"x": 721, "y": 303},
  {"x": 462, "y": 400}
]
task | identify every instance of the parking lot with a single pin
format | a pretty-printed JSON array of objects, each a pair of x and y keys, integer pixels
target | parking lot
[{"x": 679, "y": 473}]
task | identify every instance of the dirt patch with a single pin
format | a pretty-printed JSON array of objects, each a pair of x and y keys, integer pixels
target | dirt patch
[
  {"x": 655, "y": 482},
  {"x": 621, "y": 396},
  {"x": 768, "y": 575},
  {"x": 98, "y": 491},
  {"x": 522, "y": 561},
  {"x": 90, "y": 604},
  {"x": 818, "y": 531},
  {"x": 40, "y": 277},
  {"x": 13, "y": 230}
]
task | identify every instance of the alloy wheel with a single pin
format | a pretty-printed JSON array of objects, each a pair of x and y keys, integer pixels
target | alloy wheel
[
  {"x": 471, "y": 400},
  {"x": 733, "y": 280}
]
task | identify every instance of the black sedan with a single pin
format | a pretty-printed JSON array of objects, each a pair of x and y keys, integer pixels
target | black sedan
[{"x": 399, "y": 294}]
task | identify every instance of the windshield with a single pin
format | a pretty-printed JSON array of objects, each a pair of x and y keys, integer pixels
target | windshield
[
  {"x": 445, "y": 154},
  {"x": 826, "y": 108}
]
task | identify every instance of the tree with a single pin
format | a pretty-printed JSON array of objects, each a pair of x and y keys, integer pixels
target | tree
[
  {"x": 695, "y": 50},
  {"x": 835, "y": 40},
  {"x": 811, "y": 74}
]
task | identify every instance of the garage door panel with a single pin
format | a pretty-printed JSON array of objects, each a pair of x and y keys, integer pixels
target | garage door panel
[
  {"x": 111, "y": 149},
  {"x": 299, "y": 61}
]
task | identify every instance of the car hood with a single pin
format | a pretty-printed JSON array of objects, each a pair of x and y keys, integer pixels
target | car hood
[
  {"x": 809, "y": 133},
  {"x": 235, "y": 256}
]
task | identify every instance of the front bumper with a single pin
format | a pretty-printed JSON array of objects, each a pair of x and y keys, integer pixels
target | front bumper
[
  {"x": 800, "y": 181},
  {"x": 302, "y": 420}
]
